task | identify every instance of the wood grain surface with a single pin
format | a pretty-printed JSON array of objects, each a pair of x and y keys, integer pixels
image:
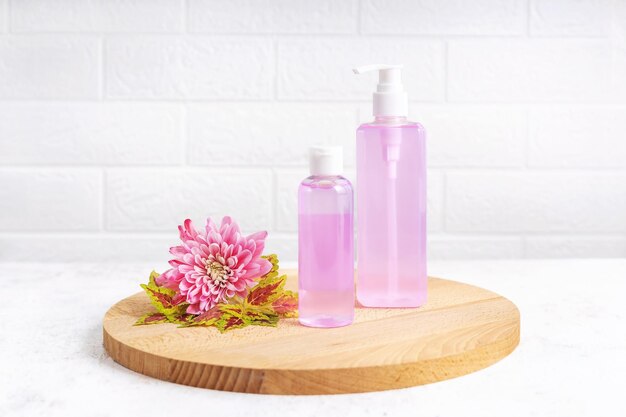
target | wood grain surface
[{"x": 460, "y": 330}]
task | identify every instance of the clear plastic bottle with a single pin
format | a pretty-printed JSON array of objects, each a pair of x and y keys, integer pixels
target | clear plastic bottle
[
  {"x": 391, "y": 200},
  {"x": 325, "y": 243}
]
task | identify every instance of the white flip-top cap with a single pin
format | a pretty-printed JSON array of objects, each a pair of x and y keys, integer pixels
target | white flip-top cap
[
  {"x": 326, "y": 160},
  {"x": 390, "y": 99}
]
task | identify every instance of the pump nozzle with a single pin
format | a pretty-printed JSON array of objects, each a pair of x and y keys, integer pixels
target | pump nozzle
[
  {"x": 375, "y": 67},
  {"x": 390, "y": 99}
]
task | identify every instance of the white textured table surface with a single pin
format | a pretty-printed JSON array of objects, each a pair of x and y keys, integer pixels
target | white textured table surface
[{"x": 571, "y": 360}]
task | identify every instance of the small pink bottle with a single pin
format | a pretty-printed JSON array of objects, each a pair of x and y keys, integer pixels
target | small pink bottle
[
  {"x": 391, "y": 199},
  {"x": 325, "y": 242}
]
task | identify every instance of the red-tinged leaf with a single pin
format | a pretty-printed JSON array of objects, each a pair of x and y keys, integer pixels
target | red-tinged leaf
[
  {"x": 152, "y": 280},
  {"x": 233, "y": 309},
  {"x": 273, "y": 259},
  {"x": 266, "y": 291},
  {"x": 273, "y": 272},
  {"x": 165, "y": 300},
  {"x": 259, "y": 318},
  {"x": 161, "y": 296},
  {"x": 238, "y": 316},
  {"x": 286, "y": 305},
  {"x": 235, "y": 299},
  {"x": 182, "y": 319},
  {"x": 229, "y": 322},
  {"x": 178, "y": 299},
  {"x": 213, "y": 313},
  {"x": 208, "y": 318},
  {"x": 151, "y": 318}
]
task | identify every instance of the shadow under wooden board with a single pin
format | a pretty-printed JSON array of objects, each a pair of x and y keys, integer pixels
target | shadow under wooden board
[{"x": 460, "y": 330}]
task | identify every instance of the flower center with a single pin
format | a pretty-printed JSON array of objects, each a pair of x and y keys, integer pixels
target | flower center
[{"x": 219, "y": 273}]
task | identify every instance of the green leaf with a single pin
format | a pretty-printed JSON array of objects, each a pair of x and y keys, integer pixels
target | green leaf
[
  {"x": 286, "y": 305},
  {"x": 273, "y": 272},
  {"x": 273, "y": 258},
  {"x": 206, "y": 319},
  {"x": 151, "y": 318},
  {"x": 230, "y": 322},
  {"x": 239, "y": 316},
  {"x": 182, "y": 319},
  {"x": 266, "y": 291},
  {"x": 152, "y": 280},
  {"x": 258, "y": 318},
  {"x": 165, "y": 300}
]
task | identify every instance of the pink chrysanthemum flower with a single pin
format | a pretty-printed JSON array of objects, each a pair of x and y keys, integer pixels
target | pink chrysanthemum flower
[{"x": 214, "y": 264}]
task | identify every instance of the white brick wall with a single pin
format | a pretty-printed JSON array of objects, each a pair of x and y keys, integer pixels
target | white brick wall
[
  {"x": 90, "y": 133},
  {"x": 38, "y": 67},
  {"x": 265, "y": 134},
  {"x": 3, "y": 15},
  {"x": 444, "y": 17},
  {"x": 273, "y": 16},
  {"x": 188, "y": 67},
  {"x": 581, "y": 18},
  {"x": 523, "y": 70},
  {"x": 118, "y": 119},
  {"x": 320, "y": 68},
  {"x": 97, "y": 16},
  {"x": 46, "y": 199},
  {"x": 145, "y": 200}
]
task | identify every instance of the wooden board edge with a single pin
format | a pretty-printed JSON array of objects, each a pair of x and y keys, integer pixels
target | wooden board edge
[{"x": 311, "y": 382}]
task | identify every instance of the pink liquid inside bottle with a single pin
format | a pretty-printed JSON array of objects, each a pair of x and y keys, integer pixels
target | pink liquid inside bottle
[
  {"x": 391, "y": 199},
  {"x": 391, "y": 193},
  {"x": 325, "y": 243}
]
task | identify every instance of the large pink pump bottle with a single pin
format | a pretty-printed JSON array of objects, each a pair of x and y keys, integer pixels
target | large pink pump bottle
[{"x": 391, "y": 199}]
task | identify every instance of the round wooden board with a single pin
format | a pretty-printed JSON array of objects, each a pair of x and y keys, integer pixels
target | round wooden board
[{"x": 460, "y": 330}]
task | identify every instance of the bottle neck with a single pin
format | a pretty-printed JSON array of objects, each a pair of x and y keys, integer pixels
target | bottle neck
[
  {"x": 322, "y": 176},
  {"x": 390, "y": 120}
]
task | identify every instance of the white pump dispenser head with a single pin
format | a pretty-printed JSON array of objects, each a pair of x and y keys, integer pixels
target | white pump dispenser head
[{"x": 390, "y": 99}]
